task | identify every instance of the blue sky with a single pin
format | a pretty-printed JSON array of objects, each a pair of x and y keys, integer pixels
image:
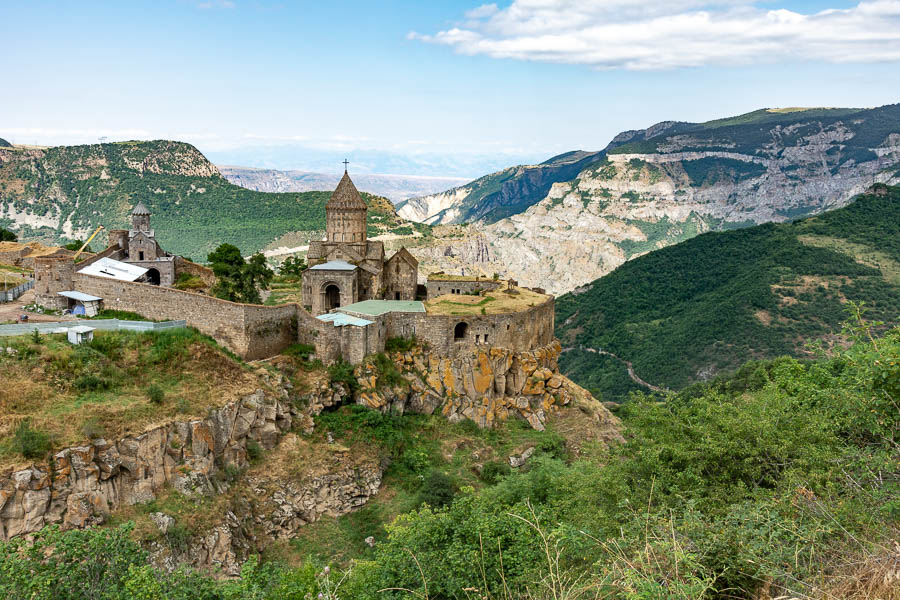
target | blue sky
[{"x": 525, "y": 79}]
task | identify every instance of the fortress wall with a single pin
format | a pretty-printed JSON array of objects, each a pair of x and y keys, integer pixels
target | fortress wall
[
  {"x": 13, "y": 257},
  {"x": 113, "y": 252},
  {"x": 439, "y": 287},
  {"x": 183, "y": 265},
  {"x": 221, "y": 319},
  {"x": 52, "y": 274},
  {"x": 521, "y": 331},
  {"x": 269, "y": 329}
]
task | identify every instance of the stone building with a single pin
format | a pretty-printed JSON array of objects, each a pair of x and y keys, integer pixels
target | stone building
[
  {"x": 139, "y": 247},
  {"x": 346, "y": 267}
]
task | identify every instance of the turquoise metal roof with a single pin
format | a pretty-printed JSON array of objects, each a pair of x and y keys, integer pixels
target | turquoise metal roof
[
  {"x": 340, "y": 319},
  {"x": 380, "y": 307}
]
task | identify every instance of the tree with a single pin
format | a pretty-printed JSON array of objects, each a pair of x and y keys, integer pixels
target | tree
[
  {"x": 237, "y": 279},
  {"x": 76, "y": 246},
  {"x": 7, "y": 236},
  {"x": 292, "y": 266}
]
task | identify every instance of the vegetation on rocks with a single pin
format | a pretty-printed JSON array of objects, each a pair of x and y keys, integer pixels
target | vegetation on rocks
[{"x": 780, "y": 482}]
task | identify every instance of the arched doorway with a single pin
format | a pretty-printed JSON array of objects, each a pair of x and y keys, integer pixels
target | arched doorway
[
  {"x": 460, "y": 331},
  {"x": 153, "y": 276},
  {"x": 332, "y": 297}
]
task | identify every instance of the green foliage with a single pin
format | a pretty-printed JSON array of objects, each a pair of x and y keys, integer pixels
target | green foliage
[
  {"x": 236, "y": 279},
  {"x": 711, "y": 170},
  {"x": 155, "y": 394},
  {"x": 93, "y": 429},
  {"x": 292, "y": 266},
  {"x": 122, "y": 315},
  {"x": 494, "y": 471},
  {"x": 301, "y": 351},
  {"x": 387, "y": 373},
  {"x": 342, "y": 372},
  {"x": 709, "y": 304},
  {"x": 30, "y": 442},
  {"x": 438, "y": 489},
  {"x": 399, "y": 344},
  {"x": 189, "y": 281},
  {"x": 35, "y": 336},
  {"x": 76, "y": 246},
  {"x": 254, "y": 451},
  {"x": 7, "y": 236}
]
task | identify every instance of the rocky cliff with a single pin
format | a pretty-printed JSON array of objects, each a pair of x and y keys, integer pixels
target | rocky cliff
[
  {"x": 659, "y": 186},
  {"x": 241, "y": 506},
  {"x": 497, "y": 195}
]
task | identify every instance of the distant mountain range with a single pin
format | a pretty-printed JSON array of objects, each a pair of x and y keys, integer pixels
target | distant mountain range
[
  {"x": 563, "y": 223},
  {"x": 317, "y": 160},
  {"x": 394, "y": 187},
  {"x": 691, "y": 311}
]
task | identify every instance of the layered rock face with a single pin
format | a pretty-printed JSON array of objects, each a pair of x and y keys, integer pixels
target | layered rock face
[
  {"x": 487, "y": 386},
  {"x": 666, "y": 188}
]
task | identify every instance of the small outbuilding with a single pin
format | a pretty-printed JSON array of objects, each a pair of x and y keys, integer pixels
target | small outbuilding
[
  {"x": 82, "y": 304},
  {"x": 80, "y": 334}
]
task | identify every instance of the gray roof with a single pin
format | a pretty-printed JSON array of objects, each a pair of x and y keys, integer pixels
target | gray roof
[
  {"x": 334, "y": 265},
  {"x": 346, "y": 195},
  {"x": 114, "y": 269},
  {"x": 374, "y": 308},
  {"x": 82, "y": 329},
  {"x": 140, "y": 209},
  {"x": 81, "y": 297}
]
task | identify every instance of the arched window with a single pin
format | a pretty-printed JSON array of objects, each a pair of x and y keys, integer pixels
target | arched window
[{"x": 460, "y": 331}]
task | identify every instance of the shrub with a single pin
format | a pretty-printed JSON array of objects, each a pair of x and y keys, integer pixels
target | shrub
[
  {"x": 342, "y": 372},
  {"x": 30, "y": 442},
  {"x": 494, "y": 471},
  {"x": 438, "y": 489},
  {"x": 254, "y": 450},
  {"x": 178, "y": 537},
  {"x": 155, "y": 394},
  {"x": 90, "y": 383},
  {"x": 388, "y": 373},
  {"x": 301, "y": 351},
  {"x": 36, "y": 336},
  {"x": 399, "y": 344}
]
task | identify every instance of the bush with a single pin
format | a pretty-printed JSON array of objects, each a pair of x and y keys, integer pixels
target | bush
[
  {"x": 92, "y": 383},
  {"x": 301, "y": 351},
  {"x": 182, "y": 405},
  {"x": 155, "y": 394},
  {"x": 30, "y": 442},
  {"x": 388, "y": 373},
  {"x": 254, "y": 451},
  {"x": 494, "y": 471},
  {"x": 342, "y": 372},
  {"x": 438, "y": 489},
  {"x": 399, "y": 344}
]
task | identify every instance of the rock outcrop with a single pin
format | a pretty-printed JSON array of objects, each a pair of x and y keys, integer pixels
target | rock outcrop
[{"x": 486, "y": 386}]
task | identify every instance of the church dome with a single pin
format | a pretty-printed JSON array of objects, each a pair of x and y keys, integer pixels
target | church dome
[{"x": 346, "y": 195}]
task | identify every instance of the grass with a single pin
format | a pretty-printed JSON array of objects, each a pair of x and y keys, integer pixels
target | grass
[
  {"x": 499, "y": 302},
  {"x": 284, "y": 290},
  {"x": 64, "y": 390}
]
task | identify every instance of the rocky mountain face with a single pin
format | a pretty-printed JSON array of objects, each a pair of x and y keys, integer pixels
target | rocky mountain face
[
  {"x": 497, "y": 195},
  {"x": 395, "y": 187},
  {"x": 662, "y": 185}
]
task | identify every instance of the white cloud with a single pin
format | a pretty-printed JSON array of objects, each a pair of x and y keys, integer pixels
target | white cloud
[{"x": 666, "y": 34}]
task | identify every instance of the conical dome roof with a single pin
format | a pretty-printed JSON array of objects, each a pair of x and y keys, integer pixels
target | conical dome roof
[
  {"x": 346, "y": 195},
  {"x": 140, "y": 209}
]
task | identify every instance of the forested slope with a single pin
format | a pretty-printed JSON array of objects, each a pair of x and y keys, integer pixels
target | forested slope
[
  {"x": 63, "y": 193},
  {"x": 707, "y": 305}
]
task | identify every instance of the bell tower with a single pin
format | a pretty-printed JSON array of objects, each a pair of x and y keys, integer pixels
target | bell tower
[{"x": 345, "y": 214}]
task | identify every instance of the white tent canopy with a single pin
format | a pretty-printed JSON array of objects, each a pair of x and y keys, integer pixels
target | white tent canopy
[{"x": 114, "y": 269}]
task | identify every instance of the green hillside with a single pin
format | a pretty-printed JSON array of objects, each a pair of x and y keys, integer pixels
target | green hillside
[
  {"x": 707, "y": 305},
  {"x": 4, "y": 144},
  {"x": 194, "y": 208},
  {"x": 751, "y": 133}
]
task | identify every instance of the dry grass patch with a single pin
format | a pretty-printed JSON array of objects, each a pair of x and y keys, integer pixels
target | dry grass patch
[
  {"x": 108, "y": 385},
  {"x": 493, "y": 303}
]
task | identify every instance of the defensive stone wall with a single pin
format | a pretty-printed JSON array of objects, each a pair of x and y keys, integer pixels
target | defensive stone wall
[
  {"x": 52, "y": 274},
  {"x": 439, "y": 287},
  {"x": 249, "y": 330}
]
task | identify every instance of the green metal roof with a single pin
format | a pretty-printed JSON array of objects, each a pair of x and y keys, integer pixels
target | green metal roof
[{"x": 379, "y": 307}]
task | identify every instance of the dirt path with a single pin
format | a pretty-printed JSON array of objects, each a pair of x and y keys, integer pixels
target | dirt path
[
  {"x": 10, "y": 311},
  {"x": 634, "y": 377}
]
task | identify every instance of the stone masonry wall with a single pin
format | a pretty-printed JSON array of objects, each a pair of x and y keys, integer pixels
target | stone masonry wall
[{"x": 439, "y": 287}]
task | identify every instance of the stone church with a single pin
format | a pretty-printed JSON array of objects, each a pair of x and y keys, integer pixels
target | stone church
[
  {"x": 346, "y": 267},
  {"x": 139, "y": 247}
]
